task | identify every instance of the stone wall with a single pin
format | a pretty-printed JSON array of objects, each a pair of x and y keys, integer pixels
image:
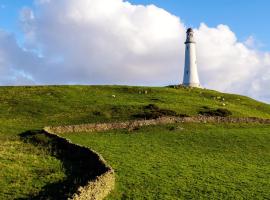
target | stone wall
[
  {"x": 130, "y": 125},
  {"x": 97, "y": 188}
]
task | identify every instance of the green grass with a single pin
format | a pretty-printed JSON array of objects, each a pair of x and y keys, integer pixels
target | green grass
[
  {"x": 186, "y": 161},
  {"x": 26, "y": 169}
]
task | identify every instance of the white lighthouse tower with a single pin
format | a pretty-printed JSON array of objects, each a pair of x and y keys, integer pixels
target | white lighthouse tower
[{"x": 191, "y": 78}]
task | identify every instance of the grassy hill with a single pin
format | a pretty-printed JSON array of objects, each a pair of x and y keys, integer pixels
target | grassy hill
[{"x": 25, "y": 169}]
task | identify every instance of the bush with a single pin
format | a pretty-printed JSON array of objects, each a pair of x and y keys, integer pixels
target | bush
[
  {"x": 152, "y": 111},
  {"x": 221, "y": 112}
]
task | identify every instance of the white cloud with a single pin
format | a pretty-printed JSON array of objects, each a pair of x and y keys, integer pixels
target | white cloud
[
  {"x": 250, "y": 42},
  {"x": 253, "y": 43},
  {"x": 115, "y": 42},
  {"x": 229, "y": 65},
  {"x": 108, "y": 41}
]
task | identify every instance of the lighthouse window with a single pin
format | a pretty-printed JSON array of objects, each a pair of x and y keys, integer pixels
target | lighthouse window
[{"x": 187, "y": 72}]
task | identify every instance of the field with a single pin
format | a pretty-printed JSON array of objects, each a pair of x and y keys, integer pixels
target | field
[
  {"x": 26, "y": 168},
  {"x": 186, "y": 161}
]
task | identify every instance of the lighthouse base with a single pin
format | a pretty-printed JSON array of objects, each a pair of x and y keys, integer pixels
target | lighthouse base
[{"x": 196, "y": 85}]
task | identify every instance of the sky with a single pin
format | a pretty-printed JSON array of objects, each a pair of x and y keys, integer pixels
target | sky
[
  {"x": 135, "y": 42},
  {"x": 246, "y": 18}
]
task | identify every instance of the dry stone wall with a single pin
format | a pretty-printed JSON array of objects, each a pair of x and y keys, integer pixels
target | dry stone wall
[
  {"x": 130, "y": 125},
  {"x": 104, "y": 182}
]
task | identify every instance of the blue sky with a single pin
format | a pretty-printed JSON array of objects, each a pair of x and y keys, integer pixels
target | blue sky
[
  {"x": 245, "y": 17},
  {"x": 9, "y": 15}
]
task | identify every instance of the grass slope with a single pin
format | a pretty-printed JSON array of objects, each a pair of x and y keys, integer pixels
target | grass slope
[
  {"x": 187, "y": 161},
  {"x": 26, "y": 169}
]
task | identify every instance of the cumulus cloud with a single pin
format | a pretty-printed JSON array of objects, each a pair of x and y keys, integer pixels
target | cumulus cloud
[
  {"x": 229, "y": 65},
  {"x": 107, "y": 42},
  {"x": 115, "y": 42}
]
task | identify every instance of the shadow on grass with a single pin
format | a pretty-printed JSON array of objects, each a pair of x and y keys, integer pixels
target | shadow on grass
[{"x": 80, "y": 165}]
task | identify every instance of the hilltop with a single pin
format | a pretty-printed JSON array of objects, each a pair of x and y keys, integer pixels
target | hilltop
[{"x": 26, "y": 168}]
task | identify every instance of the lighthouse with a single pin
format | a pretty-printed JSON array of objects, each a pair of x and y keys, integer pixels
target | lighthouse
[{"x": 191, "y": 77}]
